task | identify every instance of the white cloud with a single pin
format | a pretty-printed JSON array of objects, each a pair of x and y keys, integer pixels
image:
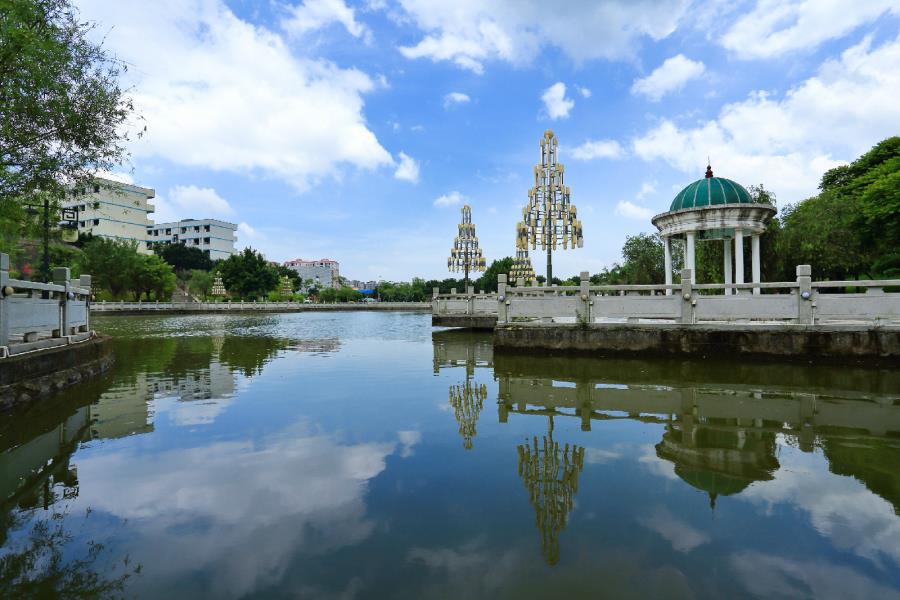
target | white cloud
[
  {"x": 680, "y": 534},
  {"x": 408, "y": 169},
  {"x": 455, "y": 98},
  {"x": 630, "y": 210},
  {"x": 268, "y": 507},
  {"x": 451, "y": 199},
  {"x": 221, "y": 93},
  {"x": 775, "y": 27},
  {"x": 592, "y": 149},
  {"x": 190, "y": 202},
  {"x": 471, "y": 32},
  {"x": 647, "y": 188},
  {"x": 771, "y": 576},
  {"x": 555, "y": 101},
  {"x": 787, "y": 143},
  {"x": 670, "y": 76},
  {"x": 585, "y": 93},
  {"x": 245, "y": 231},
  {"x": 316, "y": 14},
  {"x": 598, "y": 456}
]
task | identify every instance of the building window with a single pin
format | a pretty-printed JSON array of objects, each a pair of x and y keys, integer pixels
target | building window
[
  {"x": 206, "y": 241},
  {"x": 96, "y": 221},
  {"x": 206, "y": 252},
  {"x": 184, "y": 230},
  {"x": 168, "y": 232},
  {"x": 197, "y": 228},
  {"x": 96, "y": 189},
  {"x": 206, "y": 228}
]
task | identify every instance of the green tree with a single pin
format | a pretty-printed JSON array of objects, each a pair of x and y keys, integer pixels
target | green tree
[
  {"x": 112, "y": 264},
  {"x": 184, "y": 258},
  {"x": 488, "y": 280},
  {"x": 248, "y": 274},
  {"x": 200, "y": 282},
  {"x": 152, "y": 275},
  {"x": 62, "y": 110},
  {"x": 643, "y": 259}
]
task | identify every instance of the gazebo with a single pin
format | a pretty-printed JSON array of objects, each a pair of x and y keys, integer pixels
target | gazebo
[{"x": 715, "y": 208}]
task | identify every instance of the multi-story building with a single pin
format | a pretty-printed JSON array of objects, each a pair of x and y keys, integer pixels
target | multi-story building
[
  {"x": 323, "y": 272},
  {"x": 216, "y": 238},
  {"x": 113, "y": 210}
]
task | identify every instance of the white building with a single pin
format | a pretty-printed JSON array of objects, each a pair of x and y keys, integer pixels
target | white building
[
  {"x": 113, "y": 210},
  {"x": 323, "y": 272},
  {"x": 216, "y": 238}
]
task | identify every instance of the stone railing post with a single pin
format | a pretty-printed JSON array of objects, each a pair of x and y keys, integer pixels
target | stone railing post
[
  {"x": 584, "y": 311},
  {"x": 61, "y": 276},
  {"x": 501, "y": 298},
  {"x": 435, "y": 292},
  {"x": 687, "y": 296},
  {"x": 470, "y": 300},
  {"x": 5, "y": 289},
  {"x": 520, "y": 282},
  {"x": 85, "y": 282},
  {"x": 804, "y": 295}
]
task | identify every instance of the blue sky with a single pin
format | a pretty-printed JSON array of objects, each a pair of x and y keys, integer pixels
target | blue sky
[{"x": 355, "y": 130}]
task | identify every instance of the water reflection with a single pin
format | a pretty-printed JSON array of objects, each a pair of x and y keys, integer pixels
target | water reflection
[
  {"x": 469, "y": 351},
  {"x": 550, "y": 475},
  {"x": 723, "y": 429}
]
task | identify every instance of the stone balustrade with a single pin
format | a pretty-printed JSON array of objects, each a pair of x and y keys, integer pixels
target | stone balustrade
[{"x": 35, "y": 316}]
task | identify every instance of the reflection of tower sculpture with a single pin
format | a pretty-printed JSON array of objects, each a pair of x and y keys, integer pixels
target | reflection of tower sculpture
[
  {"x": 286, "y": 288},
  {"x": 521, "y": 268},
  {"x": 467, "y": 401},
  {"x": 218, "y": 288},
  {"x": 549, "y": 218},
  {"x": 465, "y": 255},
  {"x": 551, "y": 478}
]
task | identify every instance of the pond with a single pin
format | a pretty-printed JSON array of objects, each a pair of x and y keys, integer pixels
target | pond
[{"x": 366, "y": 455}]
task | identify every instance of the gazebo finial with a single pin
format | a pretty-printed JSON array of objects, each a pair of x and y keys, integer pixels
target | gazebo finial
[{"x": 709, "y": 172}]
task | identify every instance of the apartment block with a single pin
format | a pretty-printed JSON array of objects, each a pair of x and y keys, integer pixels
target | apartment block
[
  {"x": 113, "y": 210},
  {"x": 216, "y": 238},
  {"x": 323, "y": 272}
]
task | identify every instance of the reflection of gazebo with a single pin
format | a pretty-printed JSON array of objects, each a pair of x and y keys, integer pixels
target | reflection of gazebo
[
  {"x": 714, "y": 208},
  {"x": 720, "y": 462}
]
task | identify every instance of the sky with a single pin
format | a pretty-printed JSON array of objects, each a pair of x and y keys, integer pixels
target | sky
[{"x": 356, "y": 130}]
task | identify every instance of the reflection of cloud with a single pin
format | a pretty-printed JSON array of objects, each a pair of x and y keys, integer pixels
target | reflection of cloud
[
  {"x": 408, "y": 440},
  {"x": 471, "y": 570},
  {"x": 681, "y": 535},
  {"x": 596, "y": 456},
  {"x": 655, "y": 464},
  {"x": 840, "y": 508},
  {"x": 190, "y": 508},
  {"x": 772, "y": 576}
]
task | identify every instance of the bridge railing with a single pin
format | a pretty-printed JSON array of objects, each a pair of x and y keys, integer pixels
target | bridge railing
[
  {"x": 466, "y": 303},
  {"x": 801, "y": 301},
  {"x": 42, "y": 315}
]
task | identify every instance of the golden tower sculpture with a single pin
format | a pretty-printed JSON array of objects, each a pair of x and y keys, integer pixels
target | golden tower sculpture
[
  {"x": 467, "y": 400},
  {"x": 550, "y": 475},
  {"x": 287, "y": 288},
  {"x": 521, "y": 268},
  {"x": 218, "y": 288},
  {"x": 549, "y": 219},
  {"x": 465, "y": 255}
]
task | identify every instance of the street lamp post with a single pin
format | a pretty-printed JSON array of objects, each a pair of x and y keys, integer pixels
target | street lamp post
[
  {"x": 549, "y": 218},
  {"x": 465, "y": 255}
]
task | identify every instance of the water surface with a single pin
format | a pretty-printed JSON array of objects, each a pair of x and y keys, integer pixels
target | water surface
[{"x": 364, "y": 455}]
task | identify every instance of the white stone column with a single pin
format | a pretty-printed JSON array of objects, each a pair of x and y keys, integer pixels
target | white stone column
[
  {"x": 689, "y": 253},
  {"x": 667, "y": 251},
  {"x": 728, "y": 265},
  {"x": 739, "y": 256},
  {"x": 754, "y": 260}
]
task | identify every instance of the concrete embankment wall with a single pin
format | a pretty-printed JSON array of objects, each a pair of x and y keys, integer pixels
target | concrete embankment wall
[
  {"x": 795, "y": 342},
  {"x": 465, "y": 321},
  {"x": 33, "y": 376}
]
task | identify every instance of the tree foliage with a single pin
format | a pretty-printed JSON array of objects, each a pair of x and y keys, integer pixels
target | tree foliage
[
  {"x": 62, "y": 110},
  {"x": 248, "y": 275},
  {"x": 488, "y": 280},
  {"x": 184, "y": 258},
  {"x": 118, "y": 268}
]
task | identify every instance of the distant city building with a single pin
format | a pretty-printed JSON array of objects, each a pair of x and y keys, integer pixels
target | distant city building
[
  {"x": 113, "y": 210},
  {"x": 216, "y": 238},
  {"x": 323, "y": 272}
]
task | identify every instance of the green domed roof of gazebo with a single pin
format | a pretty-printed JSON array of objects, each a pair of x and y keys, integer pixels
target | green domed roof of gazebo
[{"x": 711, "y": 191}]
